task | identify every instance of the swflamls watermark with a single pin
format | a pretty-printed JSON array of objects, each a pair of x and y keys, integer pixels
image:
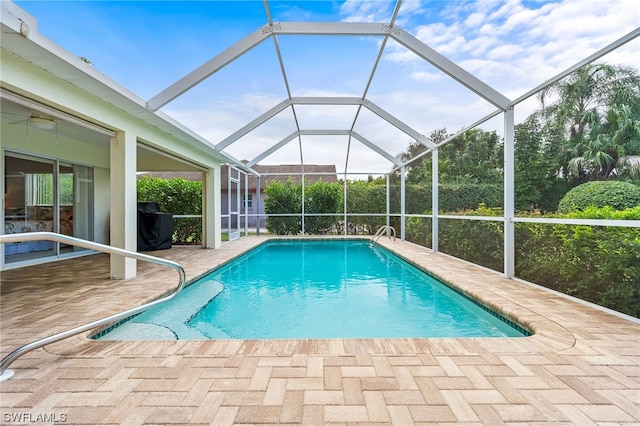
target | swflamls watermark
[{"x": 28, "y": 417}]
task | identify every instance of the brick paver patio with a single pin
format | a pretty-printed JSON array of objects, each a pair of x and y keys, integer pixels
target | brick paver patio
[{"x": 581, "y": 367}]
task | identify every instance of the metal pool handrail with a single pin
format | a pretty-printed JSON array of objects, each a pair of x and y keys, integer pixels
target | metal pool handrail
[
  {"x": 379, "y": 232},
  {"x": 51, "y": 236}
]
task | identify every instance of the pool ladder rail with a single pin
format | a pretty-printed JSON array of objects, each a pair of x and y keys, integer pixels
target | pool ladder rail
[
  {"x": 380, "y": 232},
  {"x": 6, "y": 374}
]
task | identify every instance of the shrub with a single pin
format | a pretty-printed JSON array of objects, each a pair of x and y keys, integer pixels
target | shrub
[
  {"x": 599, "y": 264},
  {"x": 179, "y": 197},
  {"x": 283, "y": 198},
  {"x": 456, "y": 197},
  {"x": 476, "y": 241},
  {"x": 366, "y": 197},
  {"x": 451, "y": 197},
  {"x": 594, "y": 263},
  {"x": 616, "y": 194},
  {"x": 321, "y": 197}
]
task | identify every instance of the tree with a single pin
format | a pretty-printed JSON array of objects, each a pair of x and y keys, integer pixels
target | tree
[
  {"x": 365, "y": 197},
  {"x": 415, "y": 169},
  {"x": 419, "y": 171},
  {"x": 535, "y": 167},
  {"x": 613, "y": 146},
  {"x": 475, "y": 156},
  {"x": 595, "y": 111}
]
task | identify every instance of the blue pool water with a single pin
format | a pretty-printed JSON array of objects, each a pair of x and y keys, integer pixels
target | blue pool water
[{"x": 316, "y": 289}]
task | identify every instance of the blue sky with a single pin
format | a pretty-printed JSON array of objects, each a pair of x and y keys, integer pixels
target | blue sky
[{"x": 511, "y": 45}]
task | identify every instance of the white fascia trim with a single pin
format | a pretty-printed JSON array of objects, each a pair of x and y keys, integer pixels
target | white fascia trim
[
  {"x": 17, "y": 19},
  {"x": 13, "y": 15}
]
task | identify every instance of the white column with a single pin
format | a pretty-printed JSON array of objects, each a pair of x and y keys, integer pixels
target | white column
[
  {"x": 344, "y": 231},
  {"x": 402, "y": 199},
  {"x": 211, "y": 208},
  {"x": 509, "y": 194},
  {"x": 303, "y": 207},
  {"x": 245, "y": 203},
  {"x": 388, "y": 222},
  {"x": 124, "y": 208},
  {"x": 258, "y": 217},
  {"x": 435, "y": 202}
]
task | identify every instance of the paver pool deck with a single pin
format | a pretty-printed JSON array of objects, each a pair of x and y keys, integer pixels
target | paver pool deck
[{"x": 580, "y": 367}]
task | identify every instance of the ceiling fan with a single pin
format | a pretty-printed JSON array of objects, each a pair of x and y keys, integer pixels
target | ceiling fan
[
  {"x": 37, "y": 120},
  {"x": 42, "y": 123}
]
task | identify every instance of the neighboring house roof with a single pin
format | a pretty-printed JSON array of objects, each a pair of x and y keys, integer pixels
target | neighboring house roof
[{"x": 271, "y": 173}]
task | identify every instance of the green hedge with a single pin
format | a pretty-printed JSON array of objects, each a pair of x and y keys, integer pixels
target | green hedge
[
  {"x": 617, "y": 194},
  {"x": 594, "y": 263},
  {"x": 480, "y": 242},
  {"x": 321, "y": 197},
  {"x": 286, "y": 198},
  {"x": 364, "y": 197},
  {"x": 283, "y": 198},
  {"x": 179, "y": 197},
  {"x": 451, "y": 197}
]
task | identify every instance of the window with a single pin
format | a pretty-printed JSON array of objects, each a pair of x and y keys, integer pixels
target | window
[
  {"x": 248, "y": 202},
  {"x": 39, "y": 189}
]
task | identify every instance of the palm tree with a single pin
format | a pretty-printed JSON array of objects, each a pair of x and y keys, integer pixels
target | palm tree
[
  {"x": 612, "y": 148},
  {"x": 597, "y": 111}
]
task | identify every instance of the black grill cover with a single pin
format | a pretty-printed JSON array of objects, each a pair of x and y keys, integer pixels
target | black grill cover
[{"x": 155, "y": 229}]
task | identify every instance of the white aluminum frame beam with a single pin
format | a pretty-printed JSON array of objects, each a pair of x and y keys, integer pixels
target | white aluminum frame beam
[
  {"x": 208, "y": 68},
  {"x": 253, "y": 124},
  {"x": 409, "y": 131},
  {"x": 450, "y": 68},
  {"x": 273, "y": 148},
  {"x": 398, "y": 124},
  {"x": 600, "y": 53},
  {"x": 405, "y": 39},
  {"x": 326, "y": 100},
  {"x": 324, "y": 132},
  {"x": 299, "y": 133},
  {"x": 328, "y": 28},
  {"x": 331, "y": 28},
  {"x": 377, "y": 149}
]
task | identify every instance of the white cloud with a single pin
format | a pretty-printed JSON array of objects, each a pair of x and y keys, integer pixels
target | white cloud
[
  {"x": 426, "y": 76},
  {"x": 366, "y": 11}
]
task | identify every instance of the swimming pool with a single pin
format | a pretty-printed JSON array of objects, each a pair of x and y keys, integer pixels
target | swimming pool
[{"x": 287, "y": 289}]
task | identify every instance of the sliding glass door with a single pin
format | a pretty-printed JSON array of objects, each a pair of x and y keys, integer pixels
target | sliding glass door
[{"x": 45, "y": 195}]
